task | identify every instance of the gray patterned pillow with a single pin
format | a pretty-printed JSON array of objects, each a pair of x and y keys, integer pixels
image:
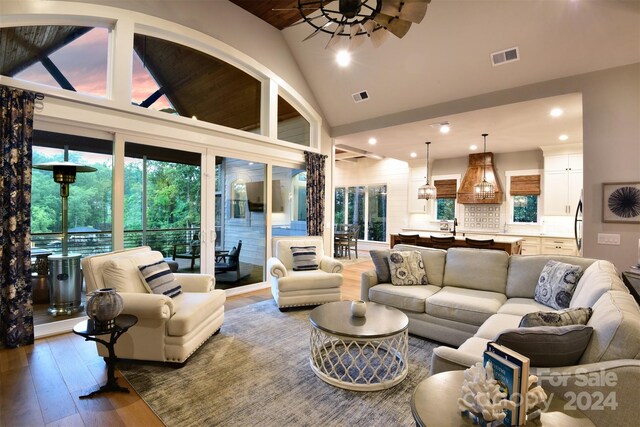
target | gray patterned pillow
[
  {"x": 556, "y": 284},
  {"x": 570, "y": 316},
  {"x": 407, "y": 268}
]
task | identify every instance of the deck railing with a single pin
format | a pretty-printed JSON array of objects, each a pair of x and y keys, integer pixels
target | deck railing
[{"x": 91, "y": 243}]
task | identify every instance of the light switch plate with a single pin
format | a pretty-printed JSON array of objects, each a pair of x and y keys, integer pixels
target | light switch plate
[{"x": 608, "y": 239}]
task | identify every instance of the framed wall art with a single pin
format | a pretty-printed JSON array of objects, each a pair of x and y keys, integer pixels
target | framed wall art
[{"x": 621, "y": 202}]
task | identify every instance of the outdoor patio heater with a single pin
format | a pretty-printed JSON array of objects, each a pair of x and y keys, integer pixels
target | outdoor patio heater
[{"x": 65, "y": 277}]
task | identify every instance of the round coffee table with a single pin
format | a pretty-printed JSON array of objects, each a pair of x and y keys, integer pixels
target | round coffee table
[
  {"x": 359, "y": 353},
  {"x": 435, "y": 403}
]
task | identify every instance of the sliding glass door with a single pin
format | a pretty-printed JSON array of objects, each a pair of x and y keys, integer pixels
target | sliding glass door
[
  {"x": 162, "y": 198},
  {"x": 240, "y": 222}
]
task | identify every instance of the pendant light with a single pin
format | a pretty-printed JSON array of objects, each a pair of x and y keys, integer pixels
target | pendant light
[
  {"x": 427, "y": 191},
  {"x": 484, "y": 189}
]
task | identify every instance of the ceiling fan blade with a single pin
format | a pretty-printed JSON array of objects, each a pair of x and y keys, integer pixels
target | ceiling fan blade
[
  {"x": 378, "y": 37},
  {"x": 399, "y": 27},
  {"x": 335, "y": 37},
  {"x": 390, "y": 7},
  {"x": 355, "y": 29},
  {"x": 409, "y": 10},
  {"x": 357, "y": 41},
  {"x": 414, "y": 10},
  {"x": 302, "y": 21},
  {"x": 369, "y": 26},
  {"x": 316, "y": 31}
]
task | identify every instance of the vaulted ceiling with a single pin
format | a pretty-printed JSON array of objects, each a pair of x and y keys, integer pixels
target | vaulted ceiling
[{"x": 447, "y": 57}]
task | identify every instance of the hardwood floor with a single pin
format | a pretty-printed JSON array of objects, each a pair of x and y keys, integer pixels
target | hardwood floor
[{"x": 40, "y": 383}]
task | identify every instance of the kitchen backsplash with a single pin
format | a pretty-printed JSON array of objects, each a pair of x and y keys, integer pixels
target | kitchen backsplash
[{"x": 485, "y": 217}]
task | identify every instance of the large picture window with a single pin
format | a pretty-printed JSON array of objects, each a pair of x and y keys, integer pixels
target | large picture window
[
  {"x": 68, "y": 57},
  {"x": 365, "y": 206},
  {"x": 177, "y": 79},
  {"x": 524, "y": 192},
  {"x": 446, "y": 199}
]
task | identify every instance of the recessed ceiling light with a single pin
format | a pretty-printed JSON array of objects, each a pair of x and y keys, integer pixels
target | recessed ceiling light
[
  {"x": 556, "y": 112},
  {"x": 563, "y": 137},
  {"x": 413, "y": 155},
  {"x": 372, "y": 141},
  {"x": 445, "y": 128},
  {"x": 343, "y": 58},
  {"x": 250, "y": 163},
  {"x": 473, "y": 147}
]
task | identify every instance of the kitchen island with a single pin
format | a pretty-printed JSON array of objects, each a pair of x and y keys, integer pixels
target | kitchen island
[{"x": 510, "y": 244}]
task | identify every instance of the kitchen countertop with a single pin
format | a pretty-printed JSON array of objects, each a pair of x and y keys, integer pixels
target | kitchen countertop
[
  {"x": 475, "y": 233},
  {"x": 459, "y": 236}
]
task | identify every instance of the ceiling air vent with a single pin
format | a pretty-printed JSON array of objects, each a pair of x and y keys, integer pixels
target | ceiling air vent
[
  {"x": 360, "y": 96},
  {"x": 504, "y": 56}
]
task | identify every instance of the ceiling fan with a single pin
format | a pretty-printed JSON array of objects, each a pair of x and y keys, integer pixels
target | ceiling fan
[{"x": 355, "y": 19}]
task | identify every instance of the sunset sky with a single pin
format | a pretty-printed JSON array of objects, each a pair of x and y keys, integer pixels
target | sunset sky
[{"x": 84, "y": 63}]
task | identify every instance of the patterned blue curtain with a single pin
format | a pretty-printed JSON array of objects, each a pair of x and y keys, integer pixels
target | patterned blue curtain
[
  {"x": 16, "y": 311},
  {"x": 315, "y": 193}
]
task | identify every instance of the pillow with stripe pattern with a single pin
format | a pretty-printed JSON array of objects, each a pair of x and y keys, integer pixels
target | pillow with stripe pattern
[
  {"x": 304, "y": 258},
  {"x": 159, "y": 278}
]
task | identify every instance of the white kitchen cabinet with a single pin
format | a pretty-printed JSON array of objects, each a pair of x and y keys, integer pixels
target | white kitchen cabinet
[
  {"x": 416, "y": 205},
  {"x": 558, "y": 246},
  {"x": 562, "y": 184},
  {"x": 530, "y": 246}
]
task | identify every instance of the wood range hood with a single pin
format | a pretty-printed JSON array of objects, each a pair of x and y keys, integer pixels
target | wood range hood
[{"x": 474, "y": 175}]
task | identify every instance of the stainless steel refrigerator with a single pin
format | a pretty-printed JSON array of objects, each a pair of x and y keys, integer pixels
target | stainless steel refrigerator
[{"x": 578, "y": 225}]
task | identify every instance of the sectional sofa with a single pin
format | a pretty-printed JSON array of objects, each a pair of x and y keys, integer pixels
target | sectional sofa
[{"x": 473, "y": 295}]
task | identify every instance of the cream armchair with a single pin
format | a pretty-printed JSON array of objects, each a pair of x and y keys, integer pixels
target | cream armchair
[
  {"x": 168, "y": 329},
  {"x": 297, "y": 288}
]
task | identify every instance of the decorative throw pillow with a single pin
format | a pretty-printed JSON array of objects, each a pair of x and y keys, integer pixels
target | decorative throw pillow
[
  {"x": 407, "y": 268},
  {"x": 556, "y": 284},
  {"x": 548, "y": 346},
  {"x": 380, "y": 258},
  {"x": 160, "y": 279},
  {"x": 304, "y": 258},
  {"x": 569, "y": 316}
]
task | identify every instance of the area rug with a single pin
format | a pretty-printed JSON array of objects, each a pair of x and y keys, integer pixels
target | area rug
[{"x": 256, "y": 372}]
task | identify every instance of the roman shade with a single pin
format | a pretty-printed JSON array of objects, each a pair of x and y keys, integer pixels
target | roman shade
[
  {"x": 525, "y": 185},
  {"x": 446, "y": 188}
]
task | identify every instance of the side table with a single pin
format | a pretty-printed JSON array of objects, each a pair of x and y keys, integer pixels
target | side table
[
  {"x": 632, "y": 282},
  {"x": 435, "y": 403},
  {"x": 89, "y": 332}
]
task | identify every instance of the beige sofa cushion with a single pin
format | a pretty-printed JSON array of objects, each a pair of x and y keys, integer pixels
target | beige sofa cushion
[
  {"x": 598, "y": 278},
  {"x": 522, "y": 306},
  {"x": 464, "y": 305},
  {"x": 478, "y": 269},
  {"x": 496, "y": 324},
  {"x": 434, "y": 261},
  {"x": 616, "y": 322},
  {"x": 122, "y": 273},
  {"x": 410, "y": 298},
  {"x": 306, "y": 280},
  {"x": 191, "y": 309},
  {"x": 524, "y": 272}
]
